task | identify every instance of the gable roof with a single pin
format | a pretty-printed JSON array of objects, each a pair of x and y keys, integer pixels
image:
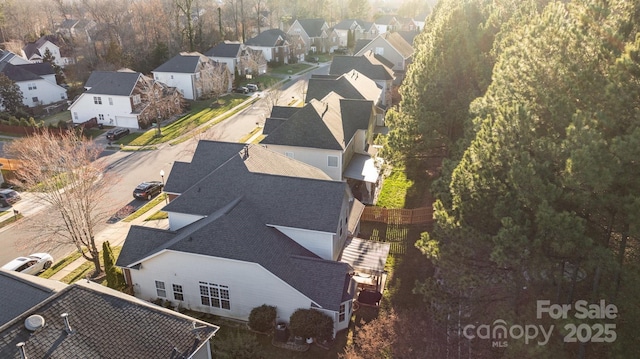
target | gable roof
[
  {"x": 349, "y": 24},
  {"x": 399, "y": 43},
  {"x": 268, "y": 38},
  {"x": 352, "y": 85},
  {"x": 105, "y": 324},
  {"x": 313, "y": 27},
  {"x": 408, "y": 36},
  {"x": 210, "y": 155},
  {"x": 240, "y": 201},
  {"x": 229, "y": 235},
  {"x": 8, "y": 56},
  {"x": 42, "y": 68},
  {"x": 184, "y": 62},
  {"x": 360, "y": 44},
  {"x": 329, "y": 123},
  {"x": 229, "y": 49},
  {"x": 33, "y": 48},
  {"x": 117, "y": 83},
  {"x": 366, "y": 64},
  {"x": 20, "y": 293},
  {"x": 16, "y": 73}
]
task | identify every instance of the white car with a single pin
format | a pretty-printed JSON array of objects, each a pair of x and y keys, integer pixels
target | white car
[{"x": 32, "y": 264}]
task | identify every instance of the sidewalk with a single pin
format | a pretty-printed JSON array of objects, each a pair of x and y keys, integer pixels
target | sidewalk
[{"x": 115, "y": 233}]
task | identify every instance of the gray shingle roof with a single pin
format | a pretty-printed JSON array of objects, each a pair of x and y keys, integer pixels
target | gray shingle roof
[
  {"x": 268, "y": 38},
  {"x": 33, "y": 48},
  {"x": 360, "y": 44},
  {"x": 185, "y": 62},
  {"x": 242, "y": 191},
  {"x": 348, "y": 24},
  {"x": 283, "y": 111},
  {"x": 230, "y": 234},
  {"x": 210, "y": 155},
  {"x": 366, "y": 65},
  {"x": 329, "y": 123},
  {"x": 105, "y": 324},
  {"x": 399, "y": 43},
  {"x": 225, "y": 49},
  {"x": 19, "y": 294},
  {"x": 117, "y": 83},
  {"x": 43, "y": 68},
  {"x": 352, "y": 85},
  {"x": 17, "y": 73},
  {"x": 313, "y": 27}
]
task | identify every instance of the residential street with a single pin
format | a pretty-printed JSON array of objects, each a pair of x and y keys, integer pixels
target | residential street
[{"x": 131, "y": 168}]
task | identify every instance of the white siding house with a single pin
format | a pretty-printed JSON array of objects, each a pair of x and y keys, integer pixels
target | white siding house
[
  {"x": 109, "y": 98},
  {"x": 36, "y": 81},
  {"x": 238, "y": 252}
]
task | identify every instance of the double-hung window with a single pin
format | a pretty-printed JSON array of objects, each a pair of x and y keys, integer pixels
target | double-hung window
[{"x": 160, "y": 290}]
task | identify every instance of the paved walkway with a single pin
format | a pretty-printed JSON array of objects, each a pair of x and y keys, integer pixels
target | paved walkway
[{"x": 115, "y": 233}]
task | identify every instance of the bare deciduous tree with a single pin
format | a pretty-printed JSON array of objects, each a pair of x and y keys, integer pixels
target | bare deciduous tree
[{"x": 61, "y": 171}]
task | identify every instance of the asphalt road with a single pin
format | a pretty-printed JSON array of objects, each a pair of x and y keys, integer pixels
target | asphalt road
[{"x": 127, "y": 169}]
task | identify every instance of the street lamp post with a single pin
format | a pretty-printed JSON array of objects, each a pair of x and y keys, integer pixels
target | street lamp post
[{"x": 166, "y": 200}]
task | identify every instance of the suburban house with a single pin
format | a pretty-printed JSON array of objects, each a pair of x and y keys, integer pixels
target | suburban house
[
  {"x": 77, "y": 30},
  {"x": 357, "y": 28},
  {"x": 125, "y": 99},
  {"x": 420, "y": 20},
  {"x": 35, "y": 51},
  {"x": 352, "y": 85},
  {"x": 393, "y": 47},
  {"x": 195, "y": 75},
  {"x": 248, "y": 226},
  {"x": 238, "y": 57},
  {"x": 370, "y": 66},
  {"x": 274, "y": 45},
  {"x": 42, "y": 318},
  {"x": 386, "y": 23},
  {"x": 12, "y": 58},
  {"x": 313, "y": 33},
  {"x": 332, "y": 134},
  {"x": 37, "y": 81}
]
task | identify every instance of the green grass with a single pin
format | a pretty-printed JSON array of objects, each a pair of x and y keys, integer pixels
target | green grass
[
  {"x": 186, "y": 123},
  {"x": 60, "y": 265},
  {"x": 291, "y": 69},
  {"x": 87, "y": 268},
  {"x": 10, "y": 220},
  {"x": 158, "y": 216},
  {"x": 146, "y": 208},
  {"x": 55, "y": 118},
  {"x": 394, "y": 189},
  {"x": 264, "y": 81},
  {"x": 213, "y": 123},
  {"x": 246, "y": 137}
]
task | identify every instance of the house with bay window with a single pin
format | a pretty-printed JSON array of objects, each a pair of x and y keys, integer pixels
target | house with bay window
[{"x": 248, "y": 226}]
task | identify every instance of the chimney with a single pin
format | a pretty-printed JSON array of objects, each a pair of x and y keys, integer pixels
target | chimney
[
  {"x": 67, "y": 326},
  {"x": 23, "y": 354}
]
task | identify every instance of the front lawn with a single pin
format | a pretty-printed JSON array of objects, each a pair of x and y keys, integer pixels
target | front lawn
[
  {"x": 186, "y": 123},
  {"x": 291, "y": 69}
]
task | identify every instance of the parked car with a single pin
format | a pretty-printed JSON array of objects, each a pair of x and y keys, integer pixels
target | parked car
[
  {"x": 8, "y": 197},
  {"x": 147, "y": 190},
  {"x": 32, "y": 264},
  {"x": 241, "y": 89},
  {"x": 252, "y": 87},
  {"x": 313, "y": 59},
  {"x": 117, "y": 133}
]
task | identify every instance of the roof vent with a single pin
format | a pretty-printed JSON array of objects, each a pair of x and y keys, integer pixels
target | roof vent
[
  {"x": 34, "y": 322},
  {"x": 23, "y": 353},
  {"x": 67, "y": 326}
]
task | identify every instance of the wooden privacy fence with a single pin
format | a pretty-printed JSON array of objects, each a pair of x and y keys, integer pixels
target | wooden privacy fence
[{"x": 422, "y": 215}]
